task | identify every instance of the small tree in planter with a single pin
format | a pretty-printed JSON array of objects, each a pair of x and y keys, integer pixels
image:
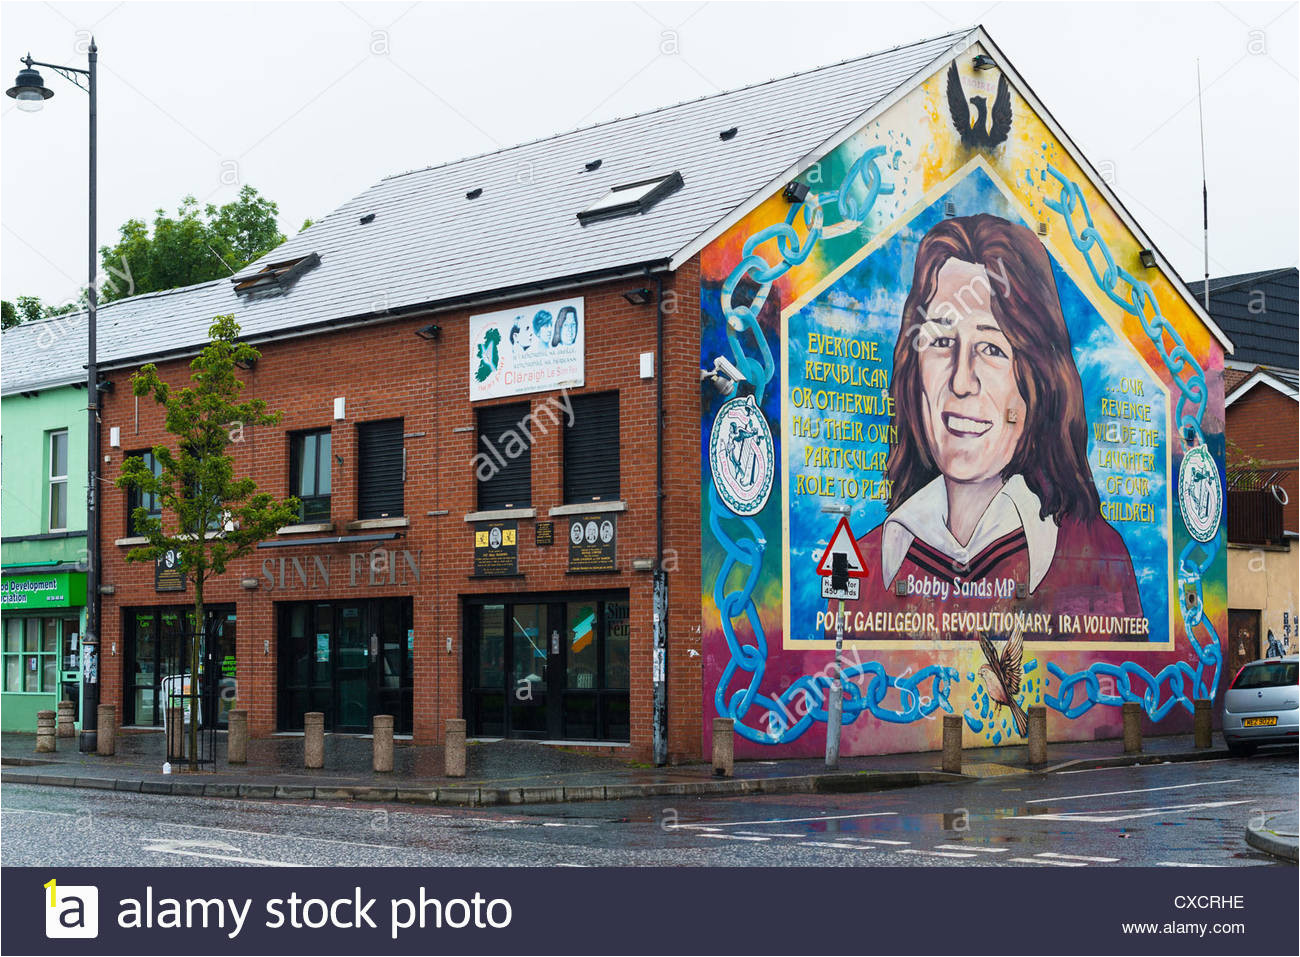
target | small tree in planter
[{"x": 210, "y": 516}]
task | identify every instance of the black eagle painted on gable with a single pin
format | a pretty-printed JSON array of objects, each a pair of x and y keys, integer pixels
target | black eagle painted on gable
[{"x": 986, "y": 131}]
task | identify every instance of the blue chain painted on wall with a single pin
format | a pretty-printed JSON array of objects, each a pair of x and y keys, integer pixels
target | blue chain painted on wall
[{"x": 1182, "y": 682}]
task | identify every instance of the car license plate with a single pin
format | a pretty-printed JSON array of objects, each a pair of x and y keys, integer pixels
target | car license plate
[{"x": 1259, "y": 722}]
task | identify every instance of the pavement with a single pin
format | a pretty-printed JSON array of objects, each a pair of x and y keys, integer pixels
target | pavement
[
  {"x": 521, "y": 772},
  {"x": 1275, "y": 835}
]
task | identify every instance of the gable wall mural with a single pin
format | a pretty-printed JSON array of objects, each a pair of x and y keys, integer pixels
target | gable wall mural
[{"x": 951, "y": 335}]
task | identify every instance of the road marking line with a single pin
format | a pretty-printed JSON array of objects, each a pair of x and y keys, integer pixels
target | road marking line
[
  {"x": 881, "y": 840},
  {"x": 1040, "y": 860},
  {"x": 774, "y": 834},
  {"x": 1120, "y": 814},
  {"x": 735, "y": 837},
  {"x": 282, "y": 837},
  {"x": 967, "y": 847},
  {"x": 162, "y": 848},
  {"x": 564, "y": 824},
  {"x": 1099, "y": 794},
  {"x": 917, "y": 850},
  {"x": 26, "y": 810},
  {"x": 838, "y": 845},
  {"x": 1129, "y": 767},
  {"x": 787, "y": 820},
  {"x": 1078, "y": 857},
  {"x": 1179, "y": 864}
]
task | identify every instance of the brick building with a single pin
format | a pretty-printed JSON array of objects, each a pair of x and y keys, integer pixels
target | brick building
[{"x": 546, "y": 486}]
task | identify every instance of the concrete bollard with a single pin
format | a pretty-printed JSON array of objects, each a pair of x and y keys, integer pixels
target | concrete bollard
[
  {"x": 237, "y": 736},
  {"x": 45, "y": 732},
  {"x": 454, "y": 748},
  {"x": 1037, "y": 734},
  {"x": 313, "y": 739},
  {"x": 67, "y": 727},
  {"x": 175, "y": 734},
  {"x": 1132, "y": 727},
  {"x": 724, "y": 747},
  {"x": 106, "y": 735},
  {"x": 382, "y": 738},
  {"x": 1203, "y": 723},
  {"x": 952, "y": 743}
]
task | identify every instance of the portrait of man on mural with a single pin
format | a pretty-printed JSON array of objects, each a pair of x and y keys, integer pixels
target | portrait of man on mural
[{"x": 993, "y": 505}]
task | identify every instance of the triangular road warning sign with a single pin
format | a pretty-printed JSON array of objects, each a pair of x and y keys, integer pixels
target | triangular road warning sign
[{"x": 844, "y": 542}]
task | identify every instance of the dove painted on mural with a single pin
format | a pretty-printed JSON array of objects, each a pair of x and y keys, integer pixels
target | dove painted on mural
[{"x": 1001, "y": 676}]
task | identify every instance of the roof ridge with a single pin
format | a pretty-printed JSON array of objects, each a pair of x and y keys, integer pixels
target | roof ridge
[
  {"x": 1239, "y": 279},
  {"x": 100, "y": 307},
  {"x": 672, "y": 106}
]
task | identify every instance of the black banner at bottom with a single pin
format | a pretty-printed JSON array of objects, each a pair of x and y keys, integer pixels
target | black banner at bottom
[{"x": 1249, "y": 910}]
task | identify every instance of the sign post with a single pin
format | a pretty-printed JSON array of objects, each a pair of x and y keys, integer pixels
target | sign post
[{"x": 842, "y": 569}]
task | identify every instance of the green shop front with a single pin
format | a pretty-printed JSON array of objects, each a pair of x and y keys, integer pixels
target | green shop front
[{"x": 44, "y": 616}]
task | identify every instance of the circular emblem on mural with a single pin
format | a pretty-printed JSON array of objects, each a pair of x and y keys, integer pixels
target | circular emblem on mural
[
  {"x": 742, "y": 456},
  {"x": 1200, "y": 493}
]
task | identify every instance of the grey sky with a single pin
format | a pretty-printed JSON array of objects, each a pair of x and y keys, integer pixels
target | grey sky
[{"x": 312, "y": 102}]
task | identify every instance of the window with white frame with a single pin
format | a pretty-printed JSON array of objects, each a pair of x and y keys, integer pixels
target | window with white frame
[{"x": 58, "y": 481}]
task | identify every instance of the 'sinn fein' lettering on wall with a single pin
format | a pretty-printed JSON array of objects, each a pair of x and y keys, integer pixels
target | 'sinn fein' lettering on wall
[
  {"x": 952, "y": 337},
  {"x": 373, "y": 569}
]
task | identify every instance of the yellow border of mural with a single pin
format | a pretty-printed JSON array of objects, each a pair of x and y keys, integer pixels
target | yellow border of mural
[{"x": 1099, "y": 304}]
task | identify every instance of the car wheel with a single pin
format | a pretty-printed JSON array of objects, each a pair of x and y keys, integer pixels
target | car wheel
[{"x": 1240, "y": 749}]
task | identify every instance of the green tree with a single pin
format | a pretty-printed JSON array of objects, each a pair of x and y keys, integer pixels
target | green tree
[
  {"x": 30, "y": 308},
  {"x": 210, "y": 516},
  {"x": 195, "y": 245}
]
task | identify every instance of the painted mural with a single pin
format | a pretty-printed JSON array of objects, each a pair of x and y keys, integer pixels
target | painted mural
[{"x": 950, "y": 335}]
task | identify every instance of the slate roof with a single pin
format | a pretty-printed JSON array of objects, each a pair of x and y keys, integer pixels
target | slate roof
[
  {"x": 1257, "y": 310},
  {"x": 428, "y": 244}
]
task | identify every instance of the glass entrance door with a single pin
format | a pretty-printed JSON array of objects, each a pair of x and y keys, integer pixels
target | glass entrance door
[
  {"x": 352, "y": 669},
  {"x": 552, "y": 670},
  {"x": 530, "y": 666},
  {"x": 348, "y": 660}
]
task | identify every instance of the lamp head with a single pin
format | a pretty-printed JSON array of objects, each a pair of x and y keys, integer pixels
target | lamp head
[{"x": 29, "y": 89}]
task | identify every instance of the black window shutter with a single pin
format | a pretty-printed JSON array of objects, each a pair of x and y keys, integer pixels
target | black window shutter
[
  {"x": 591, "y": 452},
  {"x": 379, "y": 481},
  {"x": 504, "y": 481}
]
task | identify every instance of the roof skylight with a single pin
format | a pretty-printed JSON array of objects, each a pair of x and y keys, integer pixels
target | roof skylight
[
  {"x": 276, "y": 277},
  {"x": 631, "y": 198}
]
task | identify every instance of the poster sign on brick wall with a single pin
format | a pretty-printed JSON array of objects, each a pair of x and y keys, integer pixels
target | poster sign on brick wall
[
  {"x": 496, "y": 549},
  {"x": 535, "y": 348},
  {"x": 592, "y": 540}
]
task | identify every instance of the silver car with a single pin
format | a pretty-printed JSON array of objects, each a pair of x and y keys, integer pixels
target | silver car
[{"x": 1262, "y": 706}]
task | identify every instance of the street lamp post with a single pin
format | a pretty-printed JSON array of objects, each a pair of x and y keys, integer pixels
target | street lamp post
[{"x": 30, "y": 93}]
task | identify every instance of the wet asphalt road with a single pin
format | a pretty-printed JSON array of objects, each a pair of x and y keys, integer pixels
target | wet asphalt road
[{"x": 1191, "y": 814}]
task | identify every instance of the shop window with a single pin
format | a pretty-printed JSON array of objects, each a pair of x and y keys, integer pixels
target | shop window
[
  {"x": 504, "y": 464},
  {"x": 157, "y": 648},
  {"x": 382, "y": 469},
  {"x": 309, "y": 473},
  {"x": 146, "y": 500},
  {"x": 31, "y": 654},
  {"x": 58, "y": 481},
  {"x": 591, "y": 449}
]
